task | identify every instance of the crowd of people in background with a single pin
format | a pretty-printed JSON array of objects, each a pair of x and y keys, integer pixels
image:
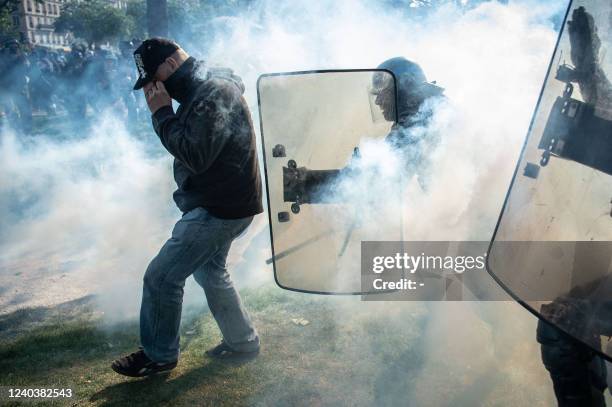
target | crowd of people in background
[{"x": 75, "y": 83}]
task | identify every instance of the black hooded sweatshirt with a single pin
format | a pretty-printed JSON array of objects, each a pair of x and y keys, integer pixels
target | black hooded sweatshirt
[{"x": 212, "y": 139}]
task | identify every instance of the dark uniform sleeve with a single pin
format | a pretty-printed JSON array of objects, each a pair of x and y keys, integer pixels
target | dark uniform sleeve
[{"x": 208, "y": 127}]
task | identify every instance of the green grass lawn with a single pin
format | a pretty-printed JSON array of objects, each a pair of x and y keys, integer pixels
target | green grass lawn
[{"x": 338, "y": 358}]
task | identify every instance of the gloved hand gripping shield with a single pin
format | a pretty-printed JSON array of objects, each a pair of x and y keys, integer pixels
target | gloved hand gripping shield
[
  {"x": 552, "y": 248},
  {"x": 332, "y": 181}
]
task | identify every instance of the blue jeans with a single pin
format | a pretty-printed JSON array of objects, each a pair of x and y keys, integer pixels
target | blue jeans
[{"x": 199, "y": 246}]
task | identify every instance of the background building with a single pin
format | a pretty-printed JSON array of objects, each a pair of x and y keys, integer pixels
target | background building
[{"x": 35, "y": 21}]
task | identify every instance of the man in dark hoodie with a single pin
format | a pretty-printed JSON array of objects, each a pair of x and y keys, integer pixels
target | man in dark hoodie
[{"x": 212, "y": 140}]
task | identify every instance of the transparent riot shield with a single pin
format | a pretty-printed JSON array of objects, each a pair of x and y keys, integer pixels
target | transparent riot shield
[
  {"x": 332, "y": 181},
  {"x": 552, "y": 247}
]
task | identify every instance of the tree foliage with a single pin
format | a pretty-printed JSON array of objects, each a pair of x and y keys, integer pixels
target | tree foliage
[
  {"x": 137, "y": 13},
  {"x": 7, "y": 28},
  {"x": 189, "y": 21},
  {"x": 94, "y": 21},
  {"x": 9, "y": 5}
]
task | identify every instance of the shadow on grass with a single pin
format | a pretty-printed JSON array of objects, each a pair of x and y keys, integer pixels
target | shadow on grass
[
  {"x": 24, "y": 320},
  {"x": 36, "y": 342},
  {"x": 161, "y": 389},
  {"x": 69, "y": 345}
]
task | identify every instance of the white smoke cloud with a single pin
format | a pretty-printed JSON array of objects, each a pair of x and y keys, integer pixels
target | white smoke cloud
[
  {"x": 491, "y": 60},
  {"x": 98, "y": 208},
  {"x": 104, "y": 197},
  {"x": 80, "y": 216}
]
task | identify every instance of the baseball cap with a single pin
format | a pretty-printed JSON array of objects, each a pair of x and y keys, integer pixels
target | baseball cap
[{"x": 149, "y": 56}]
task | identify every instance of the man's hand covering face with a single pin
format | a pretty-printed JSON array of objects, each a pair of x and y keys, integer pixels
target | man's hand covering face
[{"x": 157, "y": 96}]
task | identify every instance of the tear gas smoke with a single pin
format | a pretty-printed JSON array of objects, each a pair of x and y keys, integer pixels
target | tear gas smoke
[
  {"x": 491, "y": 60},
  {"x": 79, "y": 216},
  {"x": 97, "y": 208}
]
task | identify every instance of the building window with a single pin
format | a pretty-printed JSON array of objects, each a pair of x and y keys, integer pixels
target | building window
[
  {"x": 16, "y": 20},
  {"x": 29, "y": 5}
]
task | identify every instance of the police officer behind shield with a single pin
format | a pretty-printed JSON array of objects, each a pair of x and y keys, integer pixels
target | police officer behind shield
[
  {"x": 408, "y": 136},
  {"x": 219, "y": 191},
  {"x": 578, "y": 374}
]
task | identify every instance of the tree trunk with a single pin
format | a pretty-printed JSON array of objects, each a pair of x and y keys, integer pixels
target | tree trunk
[{"x": 157, "y": 18}]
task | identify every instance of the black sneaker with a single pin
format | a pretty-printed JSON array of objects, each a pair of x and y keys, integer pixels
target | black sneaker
[
  {"x": 224, "y": 352},
  {"x": 137, "y": 364}
]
